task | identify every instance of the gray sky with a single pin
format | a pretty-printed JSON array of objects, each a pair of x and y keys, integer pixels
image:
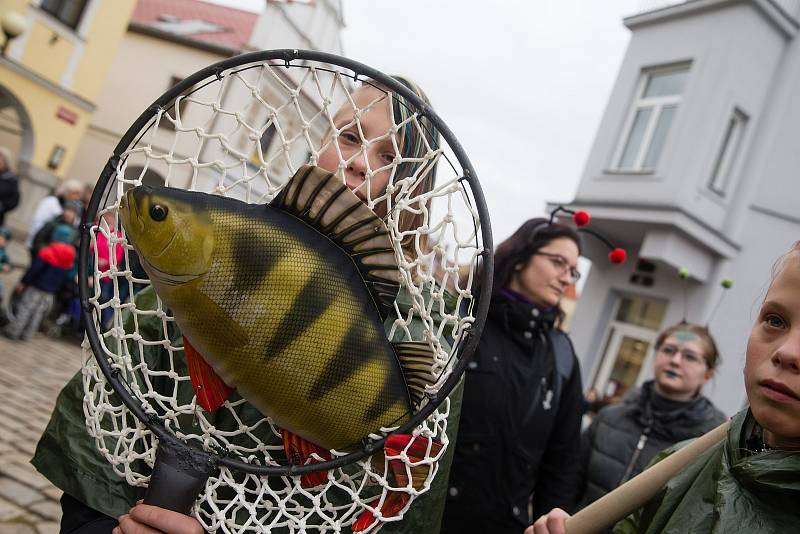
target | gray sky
[{"x": 521, "y": 83}]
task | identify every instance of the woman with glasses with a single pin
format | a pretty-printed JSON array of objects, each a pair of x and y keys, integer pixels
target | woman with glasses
[
  {"x": 623, "y": 438},
  {"x": 519, "y": 434}
]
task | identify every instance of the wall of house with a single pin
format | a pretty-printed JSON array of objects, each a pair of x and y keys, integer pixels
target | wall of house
[
  {"x": 739, "y": 60},
  {"x": 141, "y": 71},
  {"x": 727, "y": 71}
]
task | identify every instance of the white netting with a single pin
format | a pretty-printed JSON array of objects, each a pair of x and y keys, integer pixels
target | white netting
[{"x": 242, "y": 134}]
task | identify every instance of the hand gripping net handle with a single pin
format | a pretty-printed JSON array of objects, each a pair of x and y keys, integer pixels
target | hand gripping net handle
[{"x": 636, "y": 492}]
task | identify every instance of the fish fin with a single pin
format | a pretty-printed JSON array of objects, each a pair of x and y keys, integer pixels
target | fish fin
[
  {"x": 416, "y": 449},
  {"x": 228, "y": 332},
  {"x": 298, "y": 452},
  {"x": 393, "y": 504},
  {"x": 210, "y": 389},
  {"x": 416, "y": 360},
  {"x": 321, "y": 199}
]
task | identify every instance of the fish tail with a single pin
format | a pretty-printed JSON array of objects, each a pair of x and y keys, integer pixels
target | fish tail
[
  {"x": 299, "y": 452},
  {"x": 416, "y": 448},
  {"x": 210, "y": 389}
]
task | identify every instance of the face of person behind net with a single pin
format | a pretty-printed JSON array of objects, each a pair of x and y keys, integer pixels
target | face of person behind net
[
  {"x": 772, "y": 368},
  {"x": 375, "y": 122}
]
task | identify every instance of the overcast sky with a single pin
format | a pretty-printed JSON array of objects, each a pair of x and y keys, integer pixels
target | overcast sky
[{"x": 521, "y": 83}]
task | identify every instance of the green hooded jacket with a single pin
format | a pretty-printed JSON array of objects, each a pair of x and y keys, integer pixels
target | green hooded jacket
[
  {"x": 727, "y": 489},
  {"x": 67, "y": 455}
]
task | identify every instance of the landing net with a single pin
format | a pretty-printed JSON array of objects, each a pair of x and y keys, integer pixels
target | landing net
[{"x": 241, "y": 130}]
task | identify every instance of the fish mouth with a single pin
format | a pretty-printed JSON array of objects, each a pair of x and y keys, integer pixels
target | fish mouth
[
  {"x": 779, "y": 387},
  {"x": 128, "y": 205}
]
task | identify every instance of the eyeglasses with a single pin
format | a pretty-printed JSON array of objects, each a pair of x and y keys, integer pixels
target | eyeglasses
[
  {"x": 688, "y": 356},
  {"x": 562, "y": 265}
]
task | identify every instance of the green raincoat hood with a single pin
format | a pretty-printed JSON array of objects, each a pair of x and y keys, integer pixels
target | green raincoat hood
[{"x": 727, "y": 489}]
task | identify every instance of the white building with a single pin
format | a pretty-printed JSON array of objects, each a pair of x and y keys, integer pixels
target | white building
[
  {"x": 695, "y": 165},
  {"x": 167, "y": 40}
]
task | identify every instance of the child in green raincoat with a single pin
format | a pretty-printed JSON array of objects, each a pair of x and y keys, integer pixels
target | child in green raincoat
[
  {"x": 96, "y": 499},
  {"x": 750, "y": 481}
]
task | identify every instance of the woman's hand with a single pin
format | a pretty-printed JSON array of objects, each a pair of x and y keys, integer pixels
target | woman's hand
[
  {"x": 554, "y": 522},
  {"x": 147, "y": 519}
]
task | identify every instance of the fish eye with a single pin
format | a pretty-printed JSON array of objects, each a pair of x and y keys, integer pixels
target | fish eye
[{"x": 158, "y": 212}]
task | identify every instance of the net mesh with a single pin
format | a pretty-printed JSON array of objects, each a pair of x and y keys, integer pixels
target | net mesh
[{"x": 242, "y": 133}]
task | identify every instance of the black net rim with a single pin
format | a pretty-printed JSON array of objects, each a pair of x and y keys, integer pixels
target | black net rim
[{"x": 465, "y": 349}]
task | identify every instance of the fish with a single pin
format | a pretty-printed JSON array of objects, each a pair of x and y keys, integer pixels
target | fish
[{"x": 284, "y": 302}]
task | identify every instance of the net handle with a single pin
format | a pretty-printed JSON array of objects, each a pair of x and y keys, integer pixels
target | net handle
[
  {"x": 464, "y": 351},
  {"x": 635, "y": 493}
]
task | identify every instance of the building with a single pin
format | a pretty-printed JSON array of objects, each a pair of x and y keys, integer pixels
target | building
[
  {"x": 50, "y": 79},
  {"x": 168, "y": 40},
  {"x": 694, "y": 165}
]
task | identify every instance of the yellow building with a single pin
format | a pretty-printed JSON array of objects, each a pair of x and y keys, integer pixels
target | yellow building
[{"x": 50, "y": 78}]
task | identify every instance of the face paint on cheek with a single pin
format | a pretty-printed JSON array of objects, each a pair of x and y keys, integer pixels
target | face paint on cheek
[{"x": 684, "y": 336}]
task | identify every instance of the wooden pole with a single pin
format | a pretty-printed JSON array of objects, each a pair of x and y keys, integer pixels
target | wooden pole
[{"x": 636, "y": 492}]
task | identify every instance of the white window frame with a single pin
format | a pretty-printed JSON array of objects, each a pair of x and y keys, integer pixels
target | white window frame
[
  {"x": 720, "y": 180},
  {"x": 658, "y": 104}
]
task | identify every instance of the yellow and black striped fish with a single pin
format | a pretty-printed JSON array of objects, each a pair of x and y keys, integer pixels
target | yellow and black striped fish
[{"x": 286, "y": 301}]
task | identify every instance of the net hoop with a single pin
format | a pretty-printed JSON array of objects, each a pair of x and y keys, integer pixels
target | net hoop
[{"x": 290, "y": 58}]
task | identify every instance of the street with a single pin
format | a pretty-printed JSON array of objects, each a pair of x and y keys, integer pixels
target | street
[{"x": 31, "y": 375}]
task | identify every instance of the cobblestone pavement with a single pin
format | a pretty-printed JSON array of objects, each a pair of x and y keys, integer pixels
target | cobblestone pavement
[{"x": 31, "y": 375}]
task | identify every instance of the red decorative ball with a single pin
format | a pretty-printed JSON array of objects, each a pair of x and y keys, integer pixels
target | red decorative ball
[
  {"x": 617, "y": 256},
  {"x": 581, "y": 218}
]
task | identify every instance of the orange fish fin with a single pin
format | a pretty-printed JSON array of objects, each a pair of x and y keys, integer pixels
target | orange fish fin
[
  {"x": 210, "y": 389},
  {"x": 394, "y": 502},
  {"x": 417, "y": 449},
  {"x": 298, "y": 452}
]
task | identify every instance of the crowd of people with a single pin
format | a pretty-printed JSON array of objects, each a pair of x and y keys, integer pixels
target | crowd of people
[
  {"x": 48, "y": 286},
  {"x": 521, "y": 458}
]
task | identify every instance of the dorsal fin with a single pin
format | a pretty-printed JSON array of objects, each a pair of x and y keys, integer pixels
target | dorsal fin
[
  {"x": 324, "y": 202},
  {"x": 416, "y": 360}
]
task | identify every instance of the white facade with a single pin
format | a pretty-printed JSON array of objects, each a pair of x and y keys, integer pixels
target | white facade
[
  {"x": 308, "y": 25},
  {"x": 151, "y": 59},
  {"x": 713, "y": 187}
]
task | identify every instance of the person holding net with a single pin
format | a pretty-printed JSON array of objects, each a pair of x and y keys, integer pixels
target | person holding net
[
  {"x": 360, "y": 148},
  {"x": 748, "y": 482}
]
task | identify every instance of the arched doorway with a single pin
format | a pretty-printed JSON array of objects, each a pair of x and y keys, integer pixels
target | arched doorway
[{"x": 16, "y": 132}]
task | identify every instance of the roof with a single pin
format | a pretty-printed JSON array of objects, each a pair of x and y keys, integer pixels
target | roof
[{"x": 197, "y": 21}]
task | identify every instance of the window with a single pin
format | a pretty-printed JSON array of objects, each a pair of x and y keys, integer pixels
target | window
[
  {"x": 651, "y": 117},
  {"x": 67, "y": 11},
  {"x": 723, "y": 166}
]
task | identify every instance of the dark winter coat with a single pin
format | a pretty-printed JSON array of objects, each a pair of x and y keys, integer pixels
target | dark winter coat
[
  {"x": 624, "y": 438},
  {"x": 514, "y": 440},
  {"x": 9, "y": 193}
]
